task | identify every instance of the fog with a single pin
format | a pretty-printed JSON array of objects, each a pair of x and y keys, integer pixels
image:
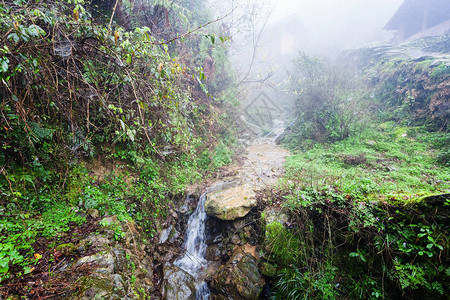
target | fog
[
  {"x": 333, "y": 25},
  {"x": 266, "y": 35},
  {"x": 324, "y": 26}
]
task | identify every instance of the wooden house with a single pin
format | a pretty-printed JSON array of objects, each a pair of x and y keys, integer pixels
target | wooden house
[{"x": 415, "y": 16}]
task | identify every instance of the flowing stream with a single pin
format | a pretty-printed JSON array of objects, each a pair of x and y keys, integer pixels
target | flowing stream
[{"x": 194, "y": 260}]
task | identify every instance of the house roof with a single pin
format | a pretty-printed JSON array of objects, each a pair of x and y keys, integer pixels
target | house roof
[{"x": 411, "y": 12}]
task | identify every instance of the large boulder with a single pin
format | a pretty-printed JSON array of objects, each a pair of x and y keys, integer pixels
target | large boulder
[
  {"x": 231, "y": 203},
  {"x": 178, "y": 284},
  {"x": 239, "y": 278}
]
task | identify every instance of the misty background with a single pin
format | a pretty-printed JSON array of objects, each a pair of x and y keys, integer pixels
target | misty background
[
  {"x": 333, "y": 25},
  {"x": 267, "y": 35}
]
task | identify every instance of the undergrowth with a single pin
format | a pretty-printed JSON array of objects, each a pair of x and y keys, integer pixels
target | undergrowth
[
  {"x": 367, "y": 195},
  {"x": 107, "y": 114}
]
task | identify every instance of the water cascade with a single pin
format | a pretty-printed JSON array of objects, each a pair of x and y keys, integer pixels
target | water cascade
[{"x": 194, "y": 260}]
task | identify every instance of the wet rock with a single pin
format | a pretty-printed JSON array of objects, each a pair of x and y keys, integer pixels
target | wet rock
[
  {"x": 164, "y": 235},
  {"x": 239, "y": 278},
  {"x": 170, "y": 234},
  {"x": 177, "y": 284},
  {"x": 218, "y": 238},
  {"x": 231, "y": 203}
]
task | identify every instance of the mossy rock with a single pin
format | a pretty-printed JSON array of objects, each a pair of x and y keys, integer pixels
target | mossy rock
[
  {"x": 93, "y": 287},
  {"x": 66, "y": 249},
  {"x": 267, "y": 269},
  {"x": 239, "y": 278}
]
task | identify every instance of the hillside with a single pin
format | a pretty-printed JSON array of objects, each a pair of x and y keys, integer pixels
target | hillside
[{"x": 134, "y": 166}]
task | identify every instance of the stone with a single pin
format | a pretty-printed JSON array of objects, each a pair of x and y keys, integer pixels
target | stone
[
  {"x": 183, "y": 208},
  {"x": 274, "y": 214},
  {"x": 105, "y": 261},
  {"x": 177, "y": 284},
  {"x": 66, "y": 249},
  {"x": 174, "y": 214},
  {"x": 108, "y": 221},
  {"x": 213, "y": 253},
  {"x": 170, "y": 234},
  {"x": 238, "y": 224},
  {"x": 174, "y": 236},
  {"x": 96, "y": 243},
  {"x": 268, "y": 269},
  {"x": 118, "y": 282},
  {"x": 93, "y": 213},
  {"x": 224, "y": 184},
  {"x": 239, "y": 278},
  {"x": 101, "y": 287},
  {"x": 235, "y": 239},
  {"x": 164, "y": 235},
  {"x": 232, "y": 203}
]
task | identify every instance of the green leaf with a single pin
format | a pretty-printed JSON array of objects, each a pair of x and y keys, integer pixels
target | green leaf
[
  {"x": 122, "y": 124},
  {"x": 4, "y": 64},
  {"x": 14, "y": 36}
]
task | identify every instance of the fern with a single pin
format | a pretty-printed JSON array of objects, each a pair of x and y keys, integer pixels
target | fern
[{"x": 40, "y": 134}]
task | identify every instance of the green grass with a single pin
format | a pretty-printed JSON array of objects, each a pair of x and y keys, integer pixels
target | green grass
[{"x": 387, "y": 162}]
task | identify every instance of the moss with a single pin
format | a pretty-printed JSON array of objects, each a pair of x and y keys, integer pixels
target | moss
[
  {"x": 400, "y": 132},
  {"x": 441, "y": 70},
  {"x": 66, "y": 249},
  {"x": 90, "y": 285},
  {"x": 282, "y": 243},
  {"x": 268, "y": 269}
]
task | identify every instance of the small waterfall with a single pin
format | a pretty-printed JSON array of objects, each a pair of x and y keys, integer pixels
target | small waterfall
[{"x": 194, "y": 260}]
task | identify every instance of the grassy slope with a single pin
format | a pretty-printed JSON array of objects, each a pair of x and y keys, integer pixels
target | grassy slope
[
  {"x": 388, "y": 162},
  {"x": 361, "y": 225}
]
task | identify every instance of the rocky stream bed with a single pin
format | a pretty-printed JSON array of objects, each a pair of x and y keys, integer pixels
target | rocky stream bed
[
  {"x": 211, "y": 246},
  {"x": 232, "y": 268}
]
